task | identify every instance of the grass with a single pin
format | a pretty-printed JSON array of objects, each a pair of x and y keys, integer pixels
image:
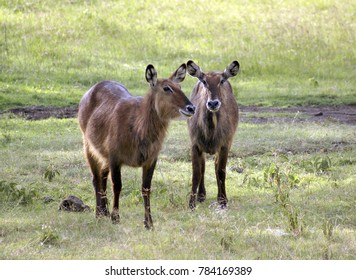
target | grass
[
  {"x": 291, "y": 52},
  {"x": 253, "y": 227}
]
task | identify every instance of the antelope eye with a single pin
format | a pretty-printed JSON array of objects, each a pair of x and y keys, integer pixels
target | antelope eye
[
  {"x": 204, "y": 83},
  {"x": 222, "y": 81},
  {"x": 167, "y": 89}
]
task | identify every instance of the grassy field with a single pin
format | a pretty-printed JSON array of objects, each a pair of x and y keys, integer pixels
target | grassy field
[
  {"x": 291, "y": 186},
  {"x": 316, "y": 166},
  {"x": 291, "y": 52}
]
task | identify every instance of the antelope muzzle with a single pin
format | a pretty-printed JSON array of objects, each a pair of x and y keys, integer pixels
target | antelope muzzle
[
  {"x": 188, "y": 111},
  {"x": 213, "y": 105}
]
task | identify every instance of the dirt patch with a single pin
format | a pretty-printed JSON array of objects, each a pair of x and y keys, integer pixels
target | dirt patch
[
  {"x": 249, "y": 114},
  {"x": 324, "y": 114},
  {"x": 41, "y": 112}
]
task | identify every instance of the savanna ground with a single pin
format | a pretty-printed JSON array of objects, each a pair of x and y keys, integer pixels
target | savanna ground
[{"x": 291, "y": 172}]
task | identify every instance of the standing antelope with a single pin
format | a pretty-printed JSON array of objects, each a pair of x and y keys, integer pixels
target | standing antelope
[
  {"x": 212, "y": 127},
  {"x": 119, "y": 129}
]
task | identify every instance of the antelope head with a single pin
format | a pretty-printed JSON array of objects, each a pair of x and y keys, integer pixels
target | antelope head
[
  {"x": 170, "y": 100},
  {"x": 215, "y": 83}
]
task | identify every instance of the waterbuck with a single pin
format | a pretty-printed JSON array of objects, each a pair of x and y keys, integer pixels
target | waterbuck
[
  {"x": 119, "y": 129},
  {"x": 212, "y": 128}
]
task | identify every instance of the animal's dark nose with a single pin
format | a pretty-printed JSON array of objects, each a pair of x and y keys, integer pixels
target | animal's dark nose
[
  {"x": 190, "y": 109},
  {"x": 214, "y": 104}
]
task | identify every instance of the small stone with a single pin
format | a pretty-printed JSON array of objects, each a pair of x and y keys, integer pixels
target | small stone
[{"x": 73, "y": 204}]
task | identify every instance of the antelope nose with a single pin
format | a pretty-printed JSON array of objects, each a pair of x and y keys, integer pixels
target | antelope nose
[
  {"x": 190, "y": 109},
  {"x": 214, "y": 104}
]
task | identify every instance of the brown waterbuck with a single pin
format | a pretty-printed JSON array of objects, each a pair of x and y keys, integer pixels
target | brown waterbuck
[
  {"x": 212, "y": 128},
  {"x": 119, "y": 129}
]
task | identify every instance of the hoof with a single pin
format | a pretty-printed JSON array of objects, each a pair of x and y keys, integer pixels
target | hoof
[
  {"x": 223, "y": 204},
  {"x": 192, "y": 205},
  {"x": 148, "y": 225},
  {"x": 115, "y": 217},
  {"x": 102, "y": 212},
  {"x": 201, "y": 197},
  {"x": 192, "y": 201}
]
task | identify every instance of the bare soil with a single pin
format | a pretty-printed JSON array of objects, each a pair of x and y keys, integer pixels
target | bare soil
[
  {"x": 324, "y": 114},
  {"x": 41, "y": 112},
  {"x": 248, "y": 114}
]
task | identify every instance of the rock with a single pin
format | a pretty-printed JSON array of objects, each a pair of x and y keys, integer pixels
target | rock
[{"x": 73, "y": 204}]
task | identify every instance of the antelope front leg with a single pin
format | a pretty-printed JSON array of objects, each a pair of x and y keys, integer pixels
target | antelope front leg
[
  {"x": 101, "y": 198},
  {"x": 117, "y": 186},
  {"x": 147, "y": 173},
  {"x": 100, "y": 194},
  {"x": 220, "y": 172},
  {"x": 198, "y": 167},
  {"x": 99, "y": 182},
  {"x": 201, "y": 190}
]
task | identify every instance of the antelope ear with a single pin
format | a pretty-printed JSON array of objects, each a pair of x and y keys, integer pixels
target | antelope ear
[
  {"x": 179, "y": 75},
  {"x": 232, "y": 69},
  {"x": 194, "y": 70},
  {"x": 151, "y": 75}
]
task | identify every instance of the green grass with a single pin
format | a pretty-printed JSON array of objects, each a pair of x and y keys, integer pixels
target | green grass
[
  {"x": 291, "y": 52},
  {"x": 253, "y": 227}
]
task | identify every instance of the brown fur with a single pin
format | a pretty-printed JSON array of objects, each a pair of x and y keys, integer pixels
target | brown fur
[
  {"x": 212, "y": 128},
  {"x": 119, "y": 129}
]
